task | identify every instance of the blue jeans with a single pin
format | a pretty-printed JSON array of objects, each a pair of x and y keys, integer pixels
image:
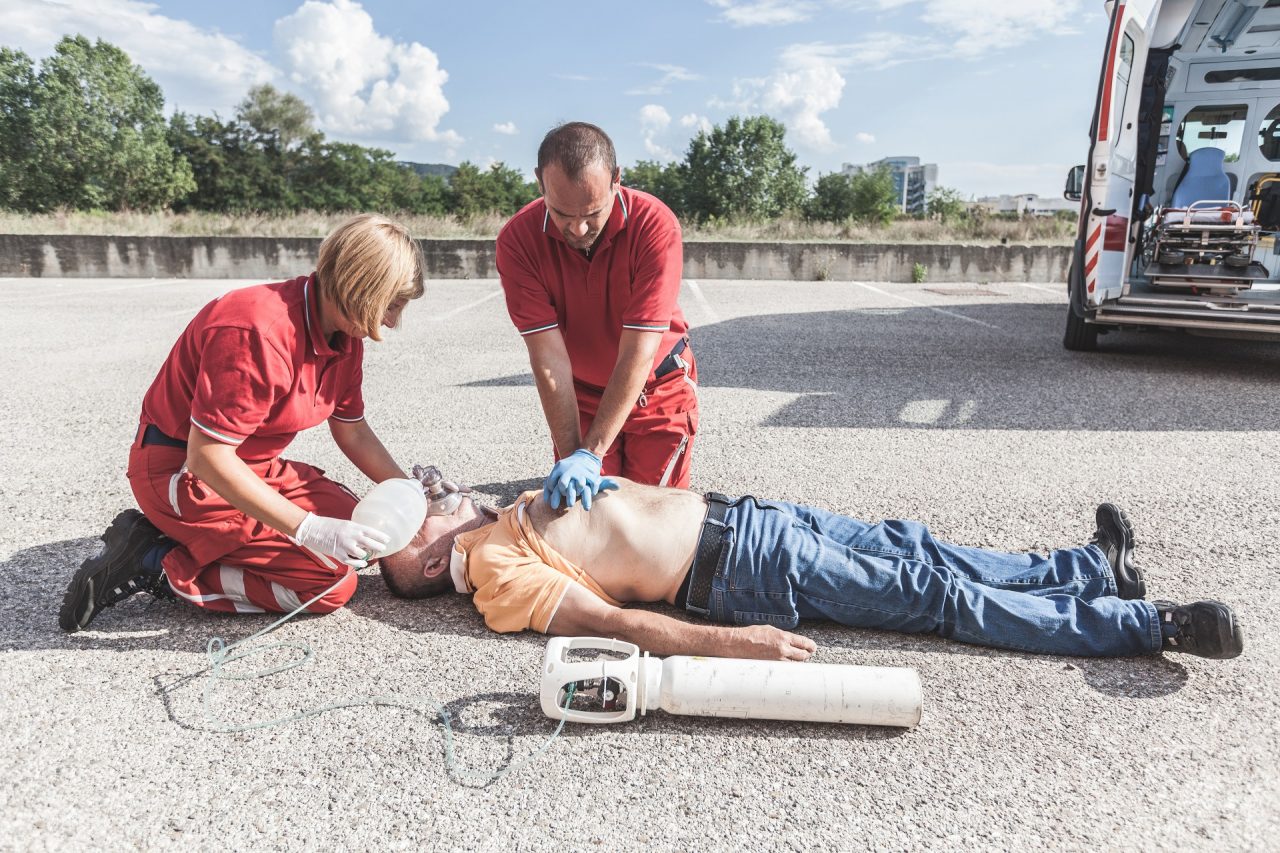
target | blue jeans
[{"x": 781, "y": 563}]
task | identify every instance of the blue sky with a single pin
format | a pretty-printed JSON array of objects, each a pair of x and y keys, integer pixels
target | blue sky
[{"x": 998, "y": 93}]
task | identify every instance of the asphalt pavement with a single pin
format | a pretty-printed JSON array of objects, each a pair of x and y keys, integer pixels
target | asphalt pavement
[{"x": 954, "y": 405}]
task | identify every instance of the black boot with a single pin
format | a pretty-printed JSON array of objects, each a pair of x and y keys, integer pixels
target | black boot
[
  {"x": 115, "y": 573},
  {"x": 1115, "y": 537},
  {"x": 1206, "y": 628}
]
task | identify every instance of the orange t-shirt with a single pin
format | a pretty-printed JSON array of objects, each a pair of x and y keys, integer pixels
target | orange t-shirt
[{"x": 516, "y": 578}]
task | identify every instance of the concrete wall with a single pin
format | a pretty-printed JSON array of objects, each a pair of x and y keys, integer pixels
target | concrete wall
[{"x": 273, "y": 258}]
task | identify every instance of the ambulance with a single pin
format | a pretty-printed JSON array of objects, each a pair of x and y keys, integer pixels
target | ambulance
[{"x": 1180, "y": 197}]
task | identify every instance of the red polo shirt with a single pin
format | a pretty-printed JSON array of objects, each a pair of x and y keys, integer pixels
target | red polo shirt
[
  {"x": 631, "y": 281},
  {"x": 253, "y": 369}
]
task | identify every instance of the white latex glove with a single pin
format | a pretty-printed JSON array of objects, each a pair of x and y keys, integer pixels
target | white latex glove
[{"x": 345, "y": 541}]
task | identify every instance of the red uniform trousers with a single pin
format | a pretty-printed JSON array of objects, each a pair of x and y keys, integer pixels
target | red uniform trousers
[
  {"x": 655, "y": 443},
  {"x": 227, "y": 561}
]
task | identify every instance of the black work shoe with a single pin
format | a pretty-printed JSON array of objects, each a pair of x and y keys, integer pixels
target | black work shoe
[
  {"x": 1205, "y": 628},
  {"x": 1115, "y": 537},
  {"x": 114, "y": 574}
]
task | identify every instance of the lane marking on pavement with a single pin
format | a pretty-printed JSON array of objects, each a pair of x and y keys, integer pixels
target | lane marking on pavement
[
  {"x": 456, "y": 311},
  {"x": 930, "y": 307},
  {"x": 701, "y": 299},
  {"x": 94, "y": 291},
  {"x": 1038, "y": 287}
]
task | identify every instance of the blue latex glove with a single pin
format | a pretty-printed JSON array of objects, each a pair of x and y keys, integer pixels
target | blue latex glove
[{"x": 575, "y": 477}]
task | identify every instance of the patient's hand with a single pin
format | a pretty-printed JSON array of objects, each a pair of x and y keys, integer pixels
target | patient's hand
[{"x": 765, "y": 642}]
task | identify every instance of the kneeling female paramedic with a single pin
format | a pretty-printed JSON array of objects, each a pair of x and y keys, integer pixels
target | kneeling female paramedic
[{"x": 229, "y": 525}]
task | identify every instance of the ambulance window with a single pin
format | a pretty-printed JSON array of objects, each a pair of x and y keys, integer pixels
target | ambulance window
[
  {"x": 1243, "y": 75},
  {"x": 1215, "y": 126},
  {"x": 1269, "y": 135},
  {"x": 1123, "y": 72}
]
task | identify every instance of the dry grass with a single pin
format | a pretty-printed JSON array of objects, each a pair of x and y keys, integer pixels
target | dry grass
[{"x": 1032, "y": 230}]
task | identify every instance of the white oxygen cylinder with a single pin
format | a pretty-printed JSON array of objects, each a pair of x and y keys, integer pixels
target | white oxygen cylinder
[
  {"x": 623, "y": 682},
  {"x": 787, "y": 690},
  {"x": 396, "y": 507}
]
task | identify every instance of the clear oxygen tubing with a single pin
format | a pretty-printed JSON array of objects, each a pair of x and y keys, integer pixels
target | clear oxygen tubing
[{"x": 220, "y": 654}]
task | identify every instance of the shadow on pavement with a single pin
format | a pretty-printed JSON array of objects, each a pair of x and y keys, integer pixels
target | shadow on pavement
[
  {"x": 924, "y": 369},
  {"x": 918, "y": 368},
  {"x": 1135, "y": 678}
]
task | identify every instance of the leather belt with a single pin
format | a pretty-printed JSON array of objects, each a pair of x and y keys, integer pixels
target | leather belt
[
  {"x": 671, "y": 363},
  {"x": 153, "y": 435},
  {"x": 695, "y": 592}
]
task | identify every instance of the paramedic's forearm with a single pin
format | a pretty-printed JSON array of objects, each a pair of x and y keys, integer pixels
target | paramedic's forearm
[
  {"x": 359, "y": 443},
  {"x": 630, "y": 372},
  {"x": 217, "y": 465},
  {"x": 553, "y": 375}
]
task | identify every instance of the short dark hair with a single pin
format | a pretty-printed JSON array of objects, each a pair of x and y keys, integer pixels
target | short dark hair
[
  {"x": 576, "y": 145},
  {"x": 406, "y": 582}
]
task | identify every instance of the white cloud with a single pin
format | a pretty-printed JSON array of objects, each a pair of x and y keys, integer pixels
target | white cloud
[
  {"x": 810, "y": 81},
  {"x": 984, "y": 25},
  {"x": 698, "y": 123},
  {"x": 654, "y": 117},
  {"x": 507, "y": 128},
  {"x": 654, "y": 121},
  {"x": 670, "y": 74},
  {"x": 865, "y": 138},
  {"x": 757, "y": 13},
  {"x": 972, "y": 28},
  {"x": 872, "y": 52},
  {"x": 200, "y": 70},
  {"x": 361, "y": 83}
]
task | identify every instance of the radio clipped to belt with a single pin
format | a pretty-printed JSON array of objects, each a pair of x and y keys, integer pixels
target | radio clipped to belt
[{"x": 665, "y": 368}]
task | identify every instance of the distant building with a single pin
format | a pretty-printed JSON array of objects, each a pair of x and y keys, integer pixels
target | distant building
[
  {"x": 912, "y": 180},
  {"x": 1027, "y": 204}
]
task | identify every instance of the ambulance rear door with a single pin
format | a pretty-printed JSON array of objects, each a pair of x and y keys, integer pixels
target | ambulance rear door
[{"x": 1108, "y": 203}]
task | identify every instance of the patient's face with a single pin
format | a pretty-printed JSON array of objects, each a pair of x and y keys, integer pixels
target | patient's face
[
  {"x": 422, "y": 568},
  {"x": 439, "y": 531}
]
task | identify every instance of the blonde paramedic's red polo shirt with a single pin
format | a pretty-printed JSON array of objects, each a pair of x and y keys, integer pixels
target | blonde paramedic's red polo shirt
[
  {"x": 631, "y": 281},
  {"x": 253, "y": 369}
]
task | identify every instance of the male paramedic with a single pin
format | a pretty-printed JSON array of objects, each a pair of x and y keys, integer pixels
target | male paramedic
[
  {"x": 591, "y": 273},
  {"x": 227, "y": 524},
  {"x": 762, "y": 566}
]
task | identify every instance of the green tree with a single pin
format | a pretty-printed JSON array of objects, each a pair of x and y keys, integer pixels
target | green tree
[
  {"x": 269, "y": 111},
  {"x": 343, "y": 176},
  {"x": 17, "y": 94},
  {"x": 875, "y": 200},
  {"x": 832, "y": 200},
  {"x": 946, "y": 204},
  {"x": 498, "y": 189},
  {"x": 233, "y": 170},
  {"x": 742, "y": 170},
  {"x": 853, "y": 197},
  {"x": 98, "y": 133},
  {"x": 658, "y": 179}
]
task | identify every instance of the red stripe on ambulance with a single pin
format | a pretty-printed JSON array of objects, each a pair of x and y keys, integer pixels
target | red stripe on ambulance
[{"x": 1104, "y": 112}]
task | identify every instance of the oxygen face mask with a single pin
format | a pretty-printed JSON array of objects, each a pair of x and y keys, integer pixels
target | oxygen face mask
[{"x": 443, "y": 496}]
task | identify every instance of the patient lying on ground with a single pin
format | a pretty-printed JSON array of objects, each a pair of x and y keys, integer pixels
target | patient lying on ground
[{"x": 762, "y": 566}]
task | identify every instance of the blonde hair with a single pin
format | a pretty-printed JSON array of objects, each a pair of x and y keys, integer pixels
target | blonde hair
[{"x": 367, "y": 263}]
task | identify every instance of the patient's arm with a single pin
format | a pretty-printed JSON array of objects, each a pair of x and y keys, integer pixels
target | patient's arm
[{"x": 583, "y": 614}]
